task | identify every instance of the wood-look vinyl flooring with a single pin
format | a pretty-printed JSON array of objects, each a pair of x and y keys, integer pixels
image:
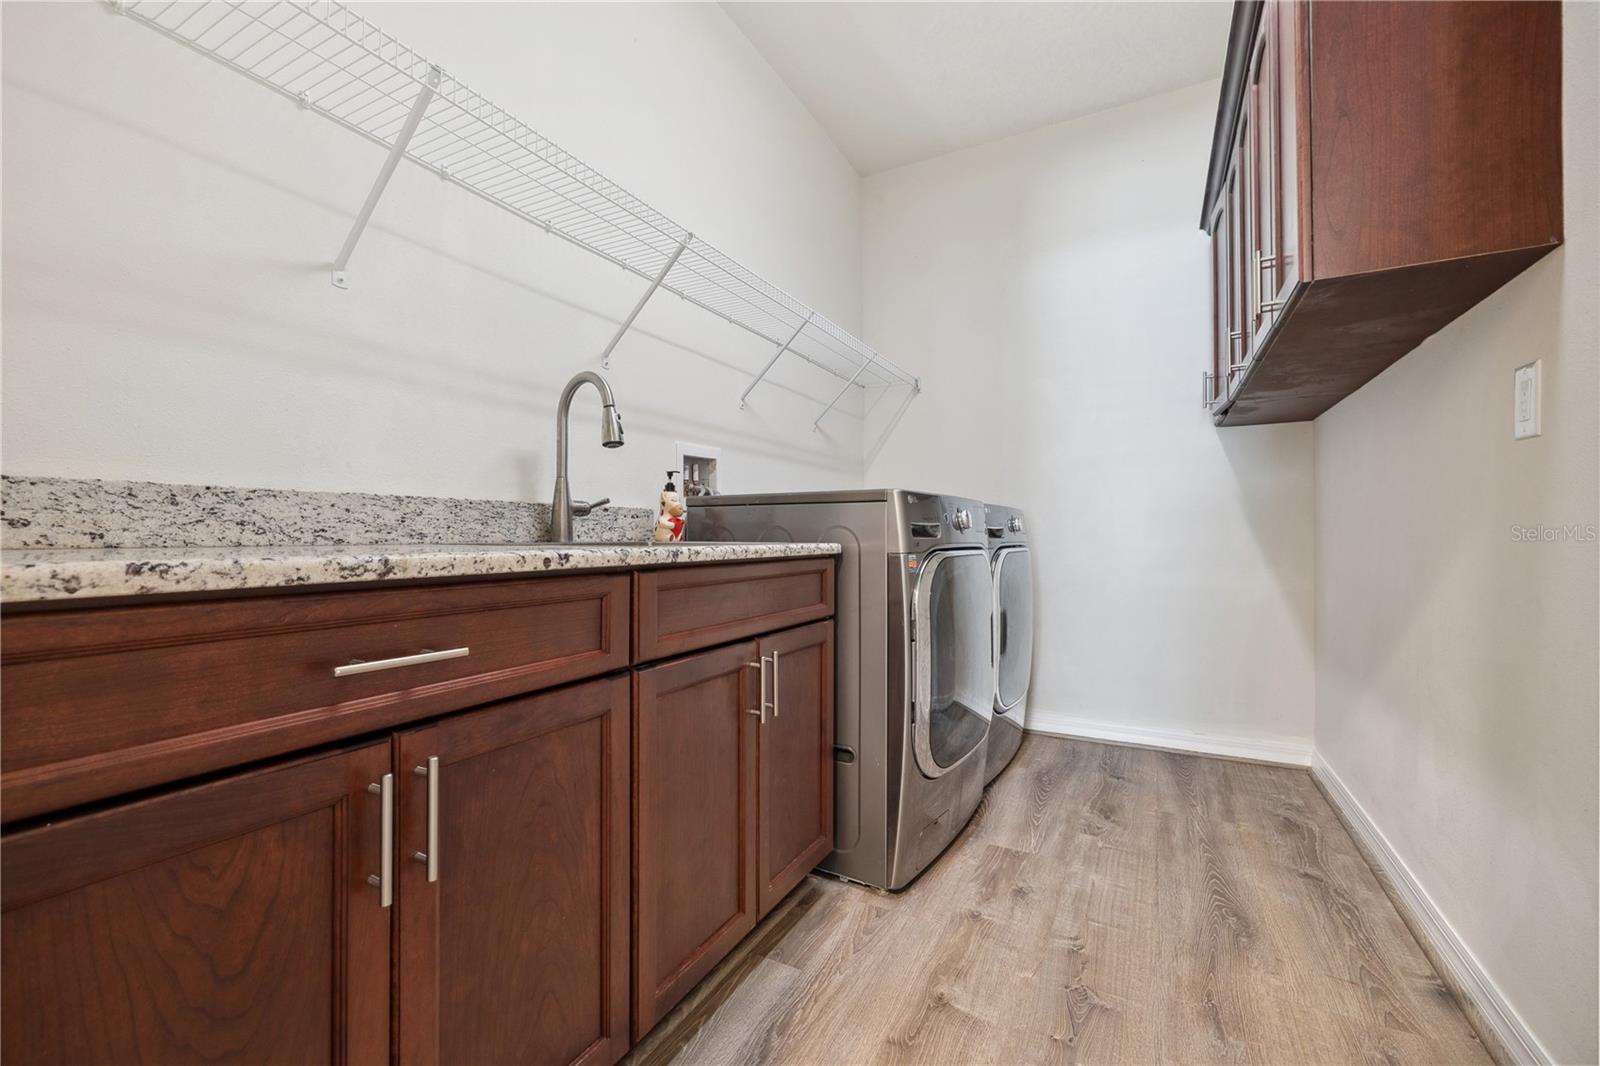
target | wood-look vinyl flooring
[{"x": 1106, "y": 905}]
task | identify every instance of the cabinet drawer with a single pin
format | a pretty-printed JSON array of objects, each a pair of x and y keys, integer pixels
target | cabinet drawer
[
  {"x": 103, "y": 701},
  {"x": 681, "y": 610}
]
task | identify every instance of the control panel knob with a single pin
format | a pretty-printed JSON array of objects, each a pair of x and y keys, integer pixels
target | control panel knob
[
  {"x": 962, "y": 519},
  {"x": 1015, "y": 524}
]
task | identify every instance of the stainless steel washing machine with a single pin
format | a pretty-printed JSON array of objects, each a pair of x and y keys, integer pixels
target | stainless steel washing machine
[
  {"x": 914, "y": 670},
  {"x": 1012, "y": 568}
]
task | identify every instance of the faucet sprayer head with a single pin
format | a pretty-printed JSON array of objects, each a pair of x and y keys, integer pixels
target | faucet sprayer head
[{"x": 610, "y": 426}]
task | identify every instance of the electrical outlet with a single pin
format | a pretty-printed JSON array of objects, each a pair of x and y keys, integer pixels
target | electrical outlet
[{"x": 1525, "y": 388}]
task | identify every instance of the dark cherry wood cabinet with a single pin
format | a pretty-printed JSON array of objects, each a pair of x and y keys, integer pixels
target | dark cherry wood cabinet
[
  {"x": 100, "y": 702},
  {"x": 231, "y": 922},
  {"x": 733, "y": 800},
  {"x": 513, "y": 883},
  {"x": 679, "y": 610},
  {"x": 524, "y": 852},
  {"x": 695, "y": 725},
  {"x": 1378, "y": 167},
  {"x": 795, "y": 759},
  {"x": 238, "y": 922}
]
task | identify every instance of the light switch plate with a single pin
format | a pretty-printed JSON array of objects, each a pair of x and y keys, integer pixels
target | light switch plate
[{"x": 1525, "y": 388}]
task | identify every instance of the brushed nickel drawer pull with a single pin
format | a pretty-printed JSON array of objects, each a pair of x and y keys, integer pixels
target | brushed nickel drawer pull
[
  {"x": 384, "y": 879},
  {"x": 774, "y": 682},
  {"x": 761, "y": 694},
  {"x": 431, "y": 856},
  {"x": 760, "y": 690},
  {"x": 1265, "y": 306},
  {"x": 361, "y": 666},
  {"x": 760, "y": 709}
]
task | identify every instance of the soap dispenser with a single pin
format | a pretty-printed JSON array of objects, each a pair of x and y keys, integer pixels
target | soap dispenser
[{"x": 669, "y": 519}]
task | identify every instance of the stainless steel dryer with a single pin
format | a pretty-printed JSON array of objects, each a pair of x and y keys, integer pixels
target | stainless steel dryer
[
  {"x": 914, "y": 674},
  {"x": 1013, "y": 632}
]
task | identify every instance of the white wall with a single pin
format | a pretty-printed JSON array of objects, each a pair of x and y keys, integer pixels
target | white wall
[
  {"x": 1456, "y": 665},
  {"x": 167, "y": 315},
  {"x": 168, "y": 227},
  {"x": 1051, "y": 289}
]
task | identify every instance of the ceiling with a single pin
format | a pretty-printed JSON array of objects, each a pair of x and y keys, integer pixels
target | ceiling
[{"x": 894, "y": 83}]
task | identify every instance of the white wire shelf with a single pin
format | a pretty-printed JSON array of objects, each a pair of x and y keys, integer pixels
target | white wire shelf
[{"x": 327, "y": 58}]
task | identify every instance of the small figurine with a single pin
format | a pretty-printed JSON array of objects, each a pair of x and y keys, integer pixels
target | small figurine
[{"x": 669, "y": 522}]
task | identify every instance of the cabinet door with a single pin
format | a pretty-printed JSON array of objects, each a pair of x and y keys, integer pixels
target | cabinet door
[
  {"x": 228, "y": 922},
  {"x": 1261, "y": 173},
  {"x": 795, "y": 759},
  {"x": 518, "y": 951},
  {"x": 1222, "y": 341},
  {"x": 694, "y": 850},
  {"x": 1238, "y": 301},
  {"x": 1285, "y": 22}
]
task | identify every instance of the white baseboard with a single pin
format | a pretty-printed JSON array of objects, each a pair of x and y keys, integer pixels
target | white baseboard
[
  {"x": 1281, "y": 750},
  {"x": 1466, "y": 976}
]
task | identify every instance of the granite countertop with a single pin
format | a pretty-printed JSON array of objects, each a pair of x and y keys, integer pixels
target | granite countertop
[
  {"x": 80, "y": 539},
  {"x": 90, "y": 573}
]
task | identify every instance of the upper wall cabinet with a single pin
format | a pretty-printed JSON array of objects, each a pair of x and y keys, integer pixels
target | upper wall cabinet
[{"x": 1377, "y": 169}]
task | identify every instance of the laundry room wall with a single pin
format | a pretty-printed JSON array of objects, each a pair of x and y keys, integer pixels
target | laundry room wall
[
  {"x": 1053, "y": 291},
  {"x": 1458, "y": 614},
  {"x": 169, "y": 225}
]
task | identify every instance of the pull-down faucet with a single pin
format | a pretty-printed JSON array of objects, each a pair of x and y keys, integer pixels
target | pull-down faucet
[{"x": 562, "y": 509}]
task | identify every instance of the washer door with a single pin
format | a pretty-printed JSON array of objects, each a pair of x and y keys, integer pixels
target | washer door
[
  {"x": 952, "y": 703},
  {"x": 1013, "y": 626}
]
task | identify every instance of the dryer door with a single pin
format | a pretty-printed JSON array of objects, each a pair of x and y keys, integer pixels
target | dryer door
[
  {"x": 1013, "y": 626},
  {"x": 954, "y": 668}
]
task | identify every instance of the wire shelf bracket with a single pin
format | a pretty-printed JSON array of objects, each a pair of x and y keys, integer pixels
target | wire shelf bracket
[
  {"x": 397, "y": 152},
  {"x": 655, "y": 283},
  {"x": 324, "y": 57},
  {"x": 839, "y": 396},
  {"x": 745, "y": 395}
]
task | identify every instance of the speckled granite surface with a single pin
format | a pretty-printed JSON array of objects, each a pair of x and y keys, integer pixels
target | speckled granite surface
[
  {"x": 67, "y": 539},
  {"x": 90, "y": 573},
  {"x": 80, "y": 513}
]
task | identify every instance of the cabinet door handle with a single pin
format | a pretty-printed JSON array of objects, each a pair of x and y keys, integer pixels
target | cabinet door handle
[
  {"x": 361, "y": 666},
  {"x": 1251, "y": 280},
  {"x": 1236, "y": 338},
  {"x": 384, "y": 878},
  {"x": 1263, "y": 305},
  {"x": 760, "y": 709},
  {"x": 774, "y": 683},
  {"x": 431, "y": 856}
]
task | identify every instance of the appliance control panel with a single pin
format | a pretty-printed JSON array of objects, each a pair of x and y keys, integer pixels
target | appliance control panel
[{"x": 923, "y": 520}]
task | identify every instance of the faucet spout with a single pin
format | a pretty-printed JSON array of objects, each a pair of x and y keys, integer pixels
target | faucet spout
[{"x": 561, "y": 510}]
